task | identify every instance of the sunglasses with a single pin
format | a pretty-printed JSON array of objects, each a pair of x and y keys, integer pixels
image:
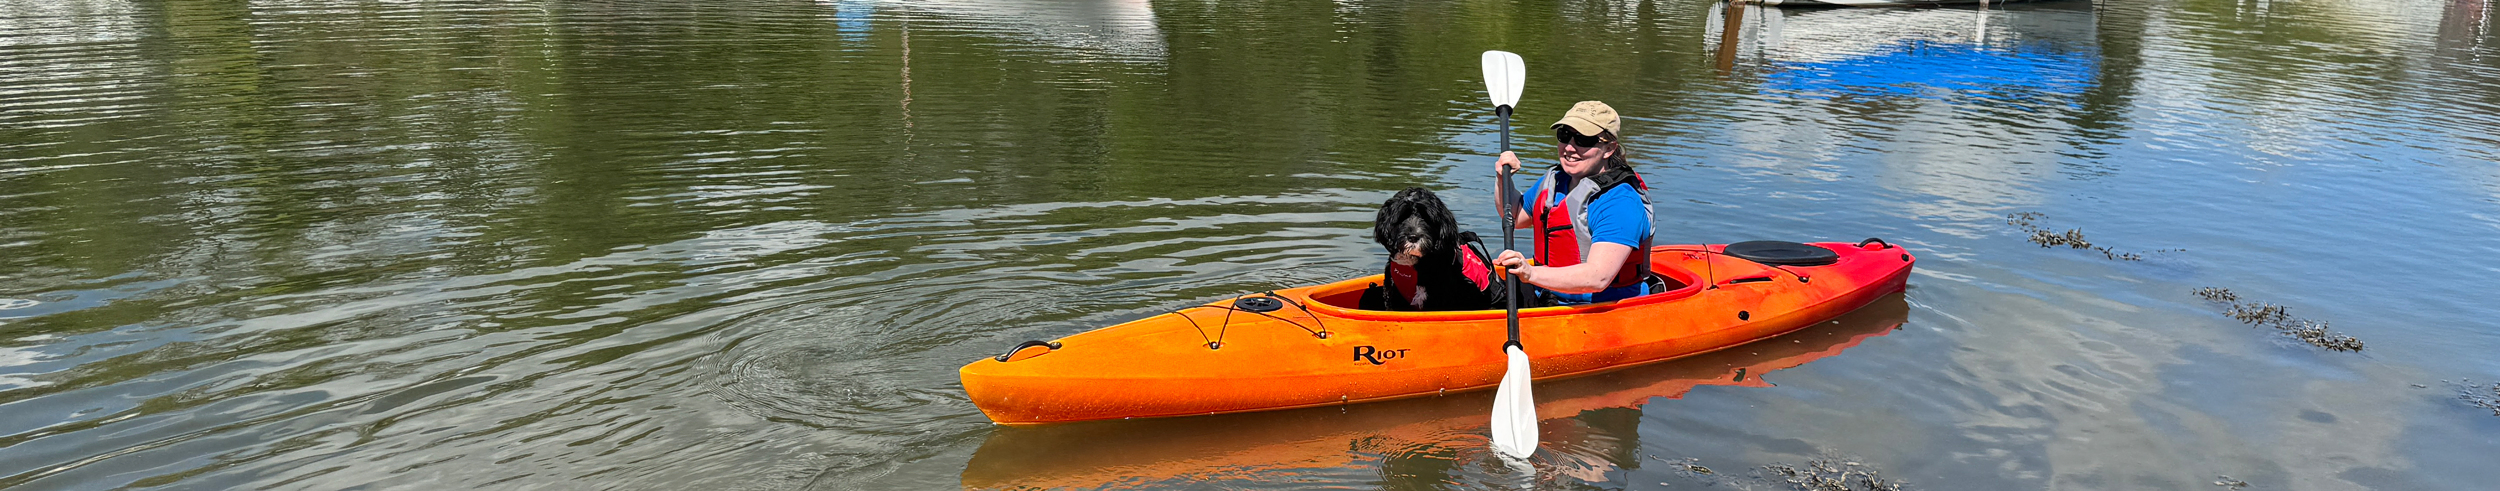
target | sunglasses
[{"x": 1574, "y": 138}]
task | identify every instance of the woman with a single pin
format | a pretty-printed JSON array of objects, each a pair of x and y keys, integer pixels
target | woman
[{"x": 1589, "y": 215}]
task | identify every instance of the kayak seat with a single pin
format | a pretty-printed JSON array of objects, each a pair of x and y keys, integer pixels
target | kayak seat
[{"x": 1781, "y": 253}]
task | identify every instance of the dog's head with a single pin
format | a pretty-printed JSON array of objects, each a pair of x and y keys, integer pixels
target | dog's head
[{"x": 1413, "y": 225}]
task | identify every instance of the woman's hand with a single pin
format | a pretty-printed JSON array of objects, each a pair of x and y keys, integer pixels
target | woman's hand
[
  {"x": 1509, "y": 162},
  {"x": 1515, "y": 263},
  {"x": 1502, "y": 198}
]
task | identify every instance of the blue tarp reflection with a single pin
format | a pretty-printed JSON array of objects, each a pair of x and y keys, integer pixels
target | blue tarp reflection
[{"x": 1939, "y": 70}]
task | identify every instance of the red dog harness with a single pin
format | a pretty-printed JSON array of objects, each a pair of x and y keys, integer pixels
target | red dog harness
[{"x": 1470, "y": 265}]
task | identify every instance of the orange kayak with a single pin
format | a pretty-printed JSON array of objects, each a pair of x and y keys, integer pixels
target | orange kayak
[
  {"x": 1145, "y": 453},
  {"x": 1310, "y": 346}
]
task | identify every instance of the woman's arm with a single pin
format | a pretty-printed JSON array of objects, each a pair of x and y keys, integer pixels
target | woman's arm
[{"x": 1591, "y": 276}]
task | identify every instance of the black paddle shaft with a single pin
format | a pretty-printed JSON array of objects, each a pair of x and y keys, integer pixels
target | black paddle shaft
[{"x": 1509, "y": 221}]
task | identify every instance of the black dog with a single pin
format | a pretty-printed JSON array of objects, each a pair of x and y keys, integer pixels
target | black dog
[{"x": 1432, "y": 265}]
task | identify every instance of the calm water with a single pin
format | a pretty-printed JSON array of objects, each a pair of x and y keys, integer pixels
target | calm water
[{"x": 745, "y": 244}]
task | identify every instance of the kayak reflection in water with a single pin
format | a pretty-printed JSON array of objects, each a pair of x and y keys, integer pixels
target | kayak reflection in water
[{"x": 1589, "y": 216}]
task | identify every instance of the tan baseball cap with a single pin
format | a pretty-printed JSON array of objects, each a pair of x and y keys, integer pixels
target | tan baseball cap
[{"x": 1591, "y": 117}]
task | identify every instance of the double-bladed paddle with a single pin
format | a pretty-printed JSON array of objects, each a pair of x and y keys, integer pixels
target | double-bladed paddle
[{"x": 1514, "y": 410}]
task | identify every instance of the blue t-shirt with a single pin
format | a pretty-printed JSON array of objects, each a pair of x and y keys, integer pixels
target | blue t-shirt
[{"x": 1617, "y": 216}]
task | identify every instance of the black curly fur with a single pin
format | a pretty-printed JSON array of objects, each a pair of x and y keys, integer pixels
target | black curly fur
[{"x": 1416, "y": 216}]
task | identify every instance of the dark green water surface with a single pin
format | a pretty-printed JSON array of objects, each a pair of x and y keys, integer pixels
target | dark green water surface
[{"x": 745, "y": 244}]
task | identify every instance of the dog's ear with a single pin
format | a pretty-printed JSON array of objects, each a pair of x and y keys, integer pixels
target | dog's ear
[{"x": 1385, "y": 223}]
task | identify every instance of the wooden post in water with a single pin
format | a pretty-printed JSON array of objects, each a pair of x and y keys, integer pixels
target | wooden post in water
[
  {"x": 1981, "y": 38},
  {"x": 1733, "y": 18}
]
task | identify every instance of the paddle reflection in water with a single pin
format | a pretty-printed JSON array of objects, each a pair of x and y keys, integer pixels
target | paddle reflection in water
[{"x": 1591, "y": 426}]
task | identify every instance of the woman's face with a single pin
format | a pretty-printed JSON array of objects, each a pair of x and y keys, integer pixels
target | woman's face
[{"x": 1581, "y": 155}]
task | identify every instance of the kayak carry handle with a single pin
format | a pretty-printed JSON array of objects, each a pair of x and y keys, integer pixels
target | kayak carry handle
[
  {"x": 1011, "y": 352},
  {"x": 1878, "y": 240}
]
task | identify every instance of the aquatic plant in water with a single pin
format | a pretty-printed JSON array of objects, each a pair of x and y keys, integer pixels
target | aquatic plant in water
[
  {"x": 1832, "y": 475},
  {"x": 1692, "y": 466},
  {"x": 2482, "y": 397},
  {"x": 2280, "y": 318},
  {"x": 2212, "y": 294},
  {"x": 2072, "y": 238}
]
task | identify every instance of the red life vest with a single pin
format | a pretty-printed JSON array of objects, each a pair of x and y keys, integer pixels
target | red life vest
[{"x": 1562, "y": 236}]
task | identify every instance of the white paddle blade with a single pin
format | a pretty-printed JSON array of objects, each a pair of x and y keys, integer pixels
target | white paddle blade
[
  {"x": 1504, "y": 74},
  {"x": 1514, "y": 410}
]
